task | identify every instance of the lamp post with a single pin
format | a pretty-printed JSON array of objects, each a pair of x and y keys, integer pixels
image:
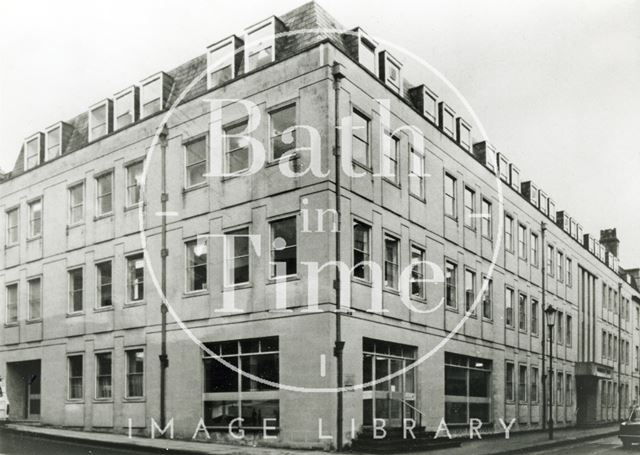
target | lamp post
[{"x": 550, "y": 314}]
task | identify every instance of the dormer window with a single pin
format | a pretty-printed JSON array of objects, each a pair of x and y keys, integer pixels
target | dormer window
[
  {"x": 486, "y": 154},
  {"x": 56, "y": 140},
  {"x": 579, "y": 233},
  {"x": 100, "y": 119},
  {"x": 543, "y": 202},
  {"x": 503, "y": 167},
  {"x": 591, "y": 241},
  {"x": 447, "y": 119},
  {"x": 552, "y": 210},
  {"x": 153, "y": 94},
  {"x": 126, "y": 107},
  {"x": 426, "y": 101},
  {"x": 33, "y": 151},
  {"x": 563, "y": 221},
  {"x": 515, "y": 177},
  {"x": 390, "y": 71},
  {"x": 221, "y": 61},
  {"x": 260, "y": 43},
  {"x": 463, "y": 131},
  {"x": 573, "y": 229},
  {"x": 366, "y": 48}
]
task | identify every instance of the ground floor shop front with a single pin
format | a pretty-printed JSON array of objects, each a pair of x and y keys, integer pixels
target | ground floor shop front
[{"x": 274, "y": 380}]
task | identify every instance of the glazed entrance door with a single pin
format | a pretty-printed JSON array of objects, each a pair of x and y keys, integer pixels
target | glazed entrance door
[{"x": 391, "y": 400}]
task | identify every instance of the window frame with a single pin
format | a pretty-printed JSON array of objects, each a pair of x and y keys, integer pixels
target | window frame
[
  {"x": 16, "y": 285},
  {"x": 231, "y": 257},
  {"x": 249, "y": 50},
  {"x": 534, "y": 245},
  {"x": 469, "y": 211},
  {"x": 30, "y": 316},
  {"x": 396, "y": 241},
  {"x": 508, "y": 305},
  {"x": 453, "y": 266},
  {"x": 272, "y": 275},
  {"x": 100, "y": 196},
  {"x": 356, "y": 112},
  {"x": 228, "y": 151},
  {"x": 70, "y": 189},
  {"x": 468, "y": 301},
  {"x": 415, "y": 177},
  {"x": 523, "y": 246},
  {"x": 422, "y": 254},
  {"x": 234, "y": 44},
  {"x": 35, "y": 137},
  {"x": 274, "y": 110},
  {"x": 53, "y": 131},
  {"x": 523, "y": 385},
  {"x": 129, "y": 257},
  {"x": 489, "y": 291},
  {"x": 128, "y": 186},
  {"x": 487, "y": 219},
  {"x": 161, "y": 79},
  {"x": 509, "y": 391},
  {"x": 196, "y": 242},
  {"x": 70, "y": 377},
  {"x": 367, "y": 270},
  {"x": 185, "y": 146},
  {"x": 97, "y": 397},
  {"x": 100, "y": 285},
  {"x": 107, "y": 104},
  {"x": 128, "y": 373},
  {"x": 132, "y": 108},
  {"x": 508, "y": 233},
  {"x": 15, "y": 228},
  {"x": 33, "y": 221},
  {"x": 393, "y": 158},
  {"x": 523, "y": 319},
  {"x": 71, "y": 291},
  {"x": 452, "y": 198}
]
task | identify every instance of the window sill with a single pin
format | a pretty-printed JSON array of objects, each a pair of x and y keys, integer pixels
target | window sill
[
  {"x": 451, "y": 217},
  {"x": 361, "y": 281},
  {"x": 418, "y": 197},
  {"x": 490, "y": 239},
  {"x": 508, "y": 327},
  {"x": 13, "y": 245},
  {"x": 471, "y": 315},
  {"x": 132, "y": 207},
  {"x": 102, "y": 400},
  {"x": 470, "y": 228},
  {"x": 75, "y": 314},
  {"x": 74, "y": 401},
  {"x": 276, "y": 161},
  {"x": 392, "y": 183},
  {"x": 197, "y": 186},
  {"x": 102, "y": 217},
  {"x": 286, "y": 278},
  {"x": 134, "y": 399},
  {"x": 35, "y": 238},
  {"x": 421, "y": 300},
  {"x": 233, "y": 287},
  {"x": 489, "y": 320},
  {"x": 74, "y": 225},
  {"x": 103, "y": 309},
  {"x": 188, "y": 294},
  {"x": 134, "y": 303},
  {"x": 33, "y": 321},
  {"x": 391, "y": 290},
  {"x": 11, "y": 324},
  {"x": 363, "y": 166},
  {"x": 453, "y": 309}
]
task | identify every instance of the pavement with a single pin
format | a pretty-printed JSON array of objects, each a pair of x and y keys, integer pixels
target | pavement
[{"x": 525, "y": 442}]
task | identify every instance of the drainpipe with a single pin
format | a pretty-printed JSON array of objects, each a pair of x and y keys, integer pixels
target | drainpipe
[
  {"x": 619, "y": 350},
  {"x": 164, "y": 252},
  {"x": 338, "y": 74},
  {"x": 543, "y": 230}
]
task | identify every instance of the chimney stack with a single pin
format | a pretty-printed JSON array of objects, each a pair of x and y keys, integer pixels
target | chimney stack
[{"x": 609, "y": 239}]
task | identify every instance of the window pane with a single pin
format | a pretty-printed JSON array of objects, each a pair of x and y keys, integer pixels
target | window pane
[
  {"x": 284, "y": 247},
  {"x": 135, "y": 373},
  {"x": 104, "y": 284},
  {"x": 196, "y": 265},
  {"x": 135, "y": 277},
  {"x": 35, "y": 296}
]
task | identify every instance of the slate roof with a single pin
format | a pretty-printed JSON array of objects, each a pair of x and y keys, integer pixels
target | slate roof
[{"x": 307, "y": 16}]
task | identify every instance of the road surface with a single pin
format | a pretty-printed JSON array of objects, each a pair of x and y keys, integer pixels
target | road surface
[{"x": 600, "y": 446}]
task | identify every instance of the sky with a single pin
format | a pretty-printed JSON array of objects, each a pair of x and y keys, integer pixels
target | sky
[{"x": 556, "y": 84}]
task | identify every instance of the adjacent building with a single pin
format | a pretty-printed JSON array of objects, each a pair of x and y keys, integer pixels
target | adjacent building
[{"x": 81, "y": 264}]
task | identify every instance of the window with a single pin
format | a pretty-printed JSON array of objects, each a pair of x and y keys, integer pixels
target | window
[
  {"x": 522, "y": 312},
  {"x": 390, "y": 157},
  {"x": 236, "y": 148},
  {"x": 12, "y": 303},
  {"x": 32, "y": 152},
  {"x": 391, "y": 262},
  {"x": 361, "y": 250},
  {"x": 125, "y": 107},
  {"x": 35, "y": 298},
  {"x": 447, "y": 119},
  {"x": 135, "y": 373},
  {"x": 390, "y": 71},
  {"x": 284, "y": 249},
  {"x": 508, "y": 302},
  {"x": 450, "y": 196},
  {"x": 260, "y": 46},
  {"x": 103, "y": 272},
  {"x": 416, "y": 172},
  {"x": 103, "y": 375},
  {"x": 53, "y": 143},
  {"x": 243, "y": 397},
  {"x": 534, "y": 249},
  {"x": 281, "y": 120},
  {"x": 469, "y": 289},
  {"x": 522, "y": 383},
  {"x": 550, "y": 260},
  {"x": 560, "y": 264},
  {"x": 99, "y": 121},
  {"x": 559, "y": 328},
  {"x": 35, "y": 218},
  {"x": 522, "y": 242},
  {"x": 559, "y": 389},
  {"x": 451, "y": 272},
  {"x": 75, "y": 290},
  {"x": 509, "y": 382},
  {"x": 135, "y": 278},
  {"x": 104, "y": 194},
  {"x": 75, "y": 373},
  {"x": 151, "y": 98},
  {"x": 487, "y": 219},
  {"x": 467, "y": 383},
  {"x": 569, "y": 272},
  {"x": 534, "y": 385},
  {"x": 604, "y": 345},
  {"x": 76, "y": 203},
  {"x": 569, "y": 390},
  {"x": 237, "y": 256},
  {"x": 221, "y": 59},
  {"x": 134, "y": 183},
  {"x": 196, "y": 265},
  {"x": 569, "y": 335},
  {"x": 487, "y": 300},
  {"x": 508, "y": 233},
  {"x": 360, "y": 138},
  {"x": 12, "y": 226},
  {"x": 417, "y": 273},
  {"x": 535, "y": 308},
  {"x": 469, "y": 207},
  {"x": 196, "y": 161}
]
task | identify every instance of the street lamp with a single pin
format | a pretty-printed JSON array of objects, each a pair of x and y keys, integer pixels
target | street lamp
[{"x": 550, "y": 313}]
